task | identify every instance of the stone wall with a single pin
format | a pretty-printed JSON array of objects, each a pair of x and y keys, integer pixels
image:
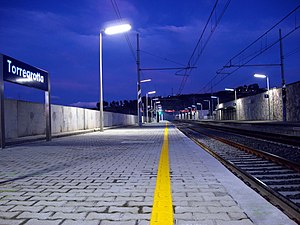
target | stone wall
[
  {"x": 27, "y": 119},
  {"x": 257, "y": 107},
  {"x": 293, "y": 102}
]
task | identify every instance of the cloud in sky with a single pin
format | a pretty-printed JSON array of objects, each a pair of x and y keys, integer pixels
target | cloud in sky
[{"x": 63, "y": 38}]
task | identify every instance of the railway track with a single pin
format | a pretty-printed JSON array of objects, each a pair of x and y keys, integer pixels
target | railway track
[
  {"x": 279, "y": 138},
  {"x": 257, "y": 162}
]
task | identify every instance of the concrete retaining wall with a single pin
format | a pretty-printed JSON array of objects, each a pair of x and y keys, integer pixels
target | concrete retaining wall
[
  {"x": 293, "y": 102},
  {"x": 26, "y": 119},
  {"x": 257, "y": 107}
]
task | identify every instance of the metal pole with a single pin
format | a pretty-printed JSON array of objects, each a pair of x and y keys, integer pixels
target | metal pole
[
  {"x": 212, "y": 108},
  {"x": 2, "y": 121},
  {"x": 201, "y": 113},
  {"x": 217, "y": 111},
  {"x": 152, "y": 110},
  {"x": 235, "y": 96},
  {"x": 236, "y": 106},
  {"x": 146, "y": 108},
  {"x": 48, "y": 112},
  {"x": 209, "y": 108},
  {"x": 283, "y": 90},
  {"x": 209, "y": 115},
  {"x": 269, "y": 104},
  {"x": 101, "y": 82},
  {"x": 139, "y": 91}
]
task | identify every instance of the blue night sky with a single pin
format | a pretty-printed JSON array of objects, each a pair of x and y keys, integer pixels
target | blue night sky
[{"x": 62, "y": 37}]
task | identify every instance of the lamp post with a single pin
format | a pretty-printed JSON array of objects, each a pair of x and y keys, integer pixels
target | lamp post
[
  {"x": 235, "y": 100},
  {"x": 218, "y": 102},
  {"x": 160, "y": 116},
  {"x": 152, "y": 103},
  {"x": 232, "y": 89},
  {"x": 218, "y": 99},
  {"x": 189, "y": 113},
  {"x": 208, "y": 107},
  {"x": 156, "y": 104},
  {"x": 139, "y": 91},
  {"x": 268, "y": 88},
  {"x": 147, "y": 94},
  {"x": 194, "y": 112},
  {"x": 121, "y": 28},
  {"x": 143, "y": 81},
  {"x": 201, "y": 107}
]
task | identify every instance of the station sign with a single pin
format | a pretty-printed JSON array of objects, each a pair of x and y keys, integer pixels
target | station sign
[
  {"x": 21, "y": 73},
  {"x": 15, "y": 71}
]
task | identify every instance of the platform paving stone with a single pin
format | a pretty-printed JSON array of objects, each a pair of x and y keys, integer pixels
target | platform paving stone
[
  {"x": 197, "y": 194},
  {"x": 109, "y": 178},
  {"x": 80, "y": 222},
  {"x": 86, "y": 179},
  {"x": 11, "y": 222}
]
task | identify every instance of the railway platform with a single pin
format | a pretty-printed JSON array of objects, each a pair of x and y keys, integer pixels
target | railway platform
[{"x": 125, "y": 176}]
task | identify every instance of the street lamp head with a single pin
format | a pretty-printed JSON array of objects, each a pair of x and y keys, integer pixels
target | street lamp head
[
  {"x": 151, "y": 92},
  {"x": 144, "y": 81},
  {"x": 260, "y": 75},
  {"x": 117, "y": 29},
  {"x": 229, "y": 89},
  {"x": 214, "y": 97}
]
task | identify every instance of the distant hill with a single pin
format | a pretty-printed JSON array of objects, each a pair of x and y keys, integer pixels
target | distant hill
[{"x": 179, "y": 102}]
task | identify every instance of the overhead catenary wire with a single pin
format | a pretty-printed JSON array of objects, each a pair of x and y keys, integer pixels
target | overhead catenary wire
[
  {"x": 199, "y": 48},
  {"x": 251, "y": 56},
  {"x": 162, "y": 58},
  {"x": 185, "y": 76},
  {"x": 117, "y": 11},
  {"x": 264, "y": 34},
  {"x": 296, "y": 50}
]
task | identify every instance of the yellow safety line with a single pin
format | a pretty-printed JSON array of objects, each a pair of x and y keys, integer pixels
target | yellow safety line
[{"x": 162, "y": 210}]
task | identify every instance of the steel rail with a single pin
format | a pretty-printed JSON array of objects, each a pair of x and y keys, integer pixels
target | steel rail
[
  {"x": 286, "y": 206},
  {"x": 279, "y": 138},
  {"x": 265, "y": 155}
]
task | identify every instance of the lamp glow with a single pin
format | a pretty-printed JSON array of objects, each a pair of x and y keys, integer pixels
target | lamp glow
[
  {"x": 144, "y": 81},
  {"x": 268, "y": 88},
  {"x": 260, "y": 75},
  {"x": 147, "y": 94},
  {"x": 151, "y": 92},
  {"x": 117, "y": 29}
]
